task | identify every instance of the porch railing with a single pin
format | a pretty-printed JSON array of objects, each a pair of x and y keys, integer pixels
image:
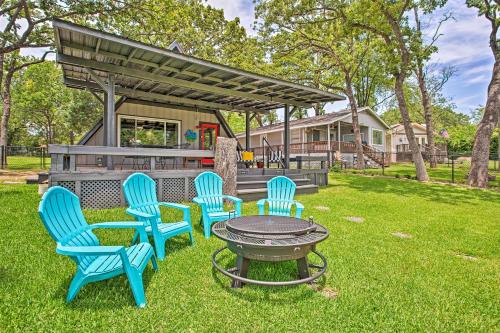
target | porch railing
[
  {"x": 71, "y": 158},
  {"x": 311, "y": 147}
]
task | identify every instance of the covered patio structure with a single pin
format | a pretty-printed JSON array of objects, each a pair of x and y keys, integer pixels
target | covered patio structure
[{"x": 116, "y": 66}]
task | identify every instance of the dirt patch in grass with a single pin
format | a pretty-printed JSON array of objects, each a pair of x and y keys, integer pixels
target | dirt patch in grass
[
  {"x": 15, "y": 177},
  {"x": 322, "y": 208},
  {"x": 466, "y": 256},
  {"x": 355, "y": 219},
  {"x": 327, "y": 292},
  {"x": 401, "y": 234}
]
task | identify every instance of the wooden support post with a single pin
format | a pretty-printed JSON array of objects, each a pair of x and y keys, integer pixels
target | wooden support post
[
  {"x": 328, "y": 135},
  {"x": 105, "y": 125},
  {"x": 338, "y": 133},
  {"x": 111, "y": 111},
  {"x": 110, "y": 118},
  {"x": 287, "y": 137},
  {"x": 247, "y": 130}
]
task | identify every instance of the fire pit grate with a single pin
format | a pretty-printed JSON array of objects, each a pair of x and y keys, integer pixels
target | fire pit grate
[{"x": 269, "y": 226}]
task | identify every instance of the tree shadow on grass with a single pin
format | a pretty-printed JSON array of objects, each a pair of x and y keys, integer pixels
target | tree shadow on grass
[
  {"x": 114, "y": 293},
  {"x": 434, "y": 192},
  {"x": 267, "y": 271}
]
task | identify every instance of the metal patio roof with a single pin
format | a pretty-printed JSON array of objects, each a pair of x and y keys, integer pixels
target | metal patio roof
[{"x": 150, "y": 73}]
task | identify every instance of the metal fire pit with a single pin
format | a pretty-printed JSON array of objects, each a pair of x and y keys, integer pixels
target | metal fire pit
[{"x": 270, "y": 238}]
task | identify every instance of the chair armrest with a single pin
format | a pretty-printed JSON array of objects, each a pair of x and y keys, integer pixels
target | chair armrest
[
  {"x": 299, "y": 205},
  {"x": 198, "y": 201},
  {"x": 185, "y": 209},
  {"x": 139, "y": 226},
  {"x": 88, "y": 250},
  {"x": 299, "y": 209},
  {"x": 173, "y": 205},
  {"x": 138, "y": 213},
  {"x": 233, "y": 199},
  {"x": 119, "y": 225},
  {"x": 261, "y": 204},
  {"x": 237, "y": 202}
]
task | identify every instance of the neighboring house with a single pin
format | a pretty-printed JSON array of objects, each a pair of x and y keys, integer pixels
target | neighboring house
[
  {"x": 397, "y": 142},
  {"x": 334, "y": 127}
]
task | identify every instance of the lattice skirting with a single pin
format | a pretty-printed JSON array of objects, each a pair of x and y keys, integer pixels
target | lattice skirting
[{"x": 100, "y": 194}]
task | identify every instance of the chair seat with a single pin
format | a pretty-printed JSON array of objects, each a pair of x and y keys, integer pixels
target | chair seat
[
  {"x": 219, "y": 216},
  {"x": 138, "y": 256},
  {"x": 168, "y": 227}
]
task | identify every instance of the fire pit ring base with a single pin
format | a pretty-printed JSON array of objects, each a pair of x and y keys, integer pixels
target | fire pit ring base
[{"x": 238, "y": 281}]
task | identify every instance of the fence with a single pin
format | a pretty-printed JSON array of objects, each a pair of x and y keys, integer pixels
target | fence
[
  {"x": 452, "y": 168},
  {"x": 24, "y": 158}
]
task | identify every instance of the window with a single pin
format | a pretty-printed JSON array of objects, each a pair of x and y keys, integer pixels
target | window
[
  {"x": 351, "y": 137},
  {"x": 145, "y": 132},
  {"x": 377, "y": 137},
  {"x": 316, "y": 135}
]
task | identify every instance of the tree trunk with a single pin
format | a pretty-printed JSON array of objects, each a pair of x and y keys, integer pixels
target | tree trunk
[
  {"x": 317, "y": 109},
  {"x": 410, "y": 135},
  {"x": 6, "y": 106},
  {"x": 355, "y": 125},
  {"x": 225, "y": 163},
  {"x": 429, "y": 125},
  {"x": 498, "y": 143},
  {"x": 426, "y": 103},
  {"x": 478, "y": 175}
]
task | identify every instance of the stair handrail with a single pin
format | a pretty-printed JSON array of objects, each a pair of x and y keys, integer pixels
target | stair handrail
[
  {"x": 264, "y": 140},
  {"x": 372, "y": 153}
]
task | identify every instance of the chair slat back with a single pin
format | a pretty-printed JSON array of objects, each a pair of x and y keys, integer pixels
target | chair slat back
[
  {"x": 140, "y": 193},
  {"x": 280, "y": 191},
  {"x": 209, "y": 187},
  {"x": 62, "y": 216}
]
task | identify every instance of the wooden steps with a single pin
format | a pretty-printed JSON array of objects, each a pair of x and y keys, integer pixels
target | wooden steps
[{"x": 254, "y": 187}]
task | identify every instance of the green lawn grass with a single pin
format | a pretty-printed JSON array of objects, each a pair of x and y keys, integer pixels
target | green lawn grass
[
  {"x": 25, "y": 163},
  {"x": 442, "y": 173},
  {"x": 442, "y": 279}
]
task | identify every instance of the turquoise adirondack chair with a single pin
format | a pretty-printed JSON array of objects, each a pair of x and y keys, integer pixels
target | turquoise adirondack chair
[
  {"x": 140, "y": 193},
  {"x": 280, "y": 192},
  {"x": 211, "y": 200},
  {"x": 63, "y": 218}
]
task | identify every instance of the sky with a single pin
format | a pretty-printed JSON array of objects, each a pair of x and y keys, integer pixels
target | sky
[{"x": 463, "y": 45}]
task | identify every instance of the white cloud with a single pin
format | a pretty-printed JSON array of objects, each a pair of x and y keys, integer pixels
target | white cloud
[
  {"x": 478, "y": 69},
  {"x": 478, "y": 79},
  {"x": 464, "y": 39},
  {"x": 244, "y": 9}
]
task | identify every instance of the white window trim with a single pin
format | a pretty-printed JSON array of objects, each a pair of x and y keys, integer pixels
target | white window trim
[
  {"x": 382, "y": 136},
  {"x": 163, "y": 120}
]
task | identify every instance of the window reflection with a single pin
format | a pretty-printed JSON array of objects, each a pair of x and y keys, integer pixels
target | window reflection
[{"x": 148, "y": 133}]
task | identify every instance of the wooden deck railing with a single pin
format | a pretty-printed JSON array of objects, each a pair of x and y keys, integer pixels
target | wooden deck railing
[
  {"x": 313, "y": 147},
  {"x": 69, "y": 158}
]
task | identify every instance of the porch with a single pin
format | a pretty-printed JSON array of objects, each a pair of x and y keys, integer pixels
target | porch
[
  {"x": 96, "y": 173},
  {"x": 109, "y": 65}
]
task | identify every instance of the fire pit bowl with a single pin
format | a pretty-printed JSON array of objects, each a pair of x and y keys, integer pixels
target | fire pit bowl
[{"x": 273, "y": 239}]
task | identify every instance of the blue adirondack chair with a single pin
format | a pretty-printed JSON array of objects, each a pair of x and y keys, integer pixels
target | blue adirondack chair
[
  {"x": 62, "y": 216},
  {"x": 280, "y": 192},
  {"x": 211, "y": 200},
  {"x": 140, "y": 193}
]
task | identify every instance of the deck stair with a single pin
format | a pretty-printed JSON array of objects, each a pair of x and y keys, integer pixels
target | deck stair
[
  {"x": 254, "y": 187},
  {"x": 376, "y": 156}
]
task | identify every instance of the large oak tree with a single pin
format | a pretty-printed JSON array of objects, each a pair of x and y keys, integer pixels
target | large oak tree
[{"x": 478, "y": 175}]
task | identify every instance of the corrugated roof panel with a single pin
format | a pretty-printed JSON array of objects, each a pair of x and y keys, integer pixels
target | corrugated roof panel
[{"x": 190, "y": 75}]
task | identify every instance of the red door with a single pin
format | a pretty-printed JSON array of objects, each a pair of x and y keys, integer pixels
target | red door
[{"x": 208, "y": 139}]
